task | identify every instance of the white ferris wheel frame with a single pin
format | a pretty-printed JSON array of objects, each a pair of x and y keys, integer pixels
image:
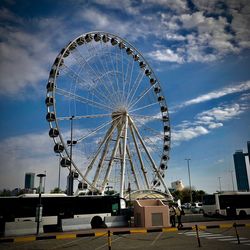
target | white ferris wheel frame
[{"x": 121, "y": 120}]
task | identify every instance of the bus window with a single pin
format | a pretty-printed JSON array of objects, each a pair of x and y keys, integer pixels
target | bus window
[
  {"x": 115, "y": 208},
  {"x": 209, "y": 199}
]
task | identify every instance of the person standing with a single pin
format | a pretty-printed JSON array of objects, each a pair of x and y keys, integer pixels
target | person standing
[
  {"x": 178, "y": 214},
  {"x": 172, "y": 214}
]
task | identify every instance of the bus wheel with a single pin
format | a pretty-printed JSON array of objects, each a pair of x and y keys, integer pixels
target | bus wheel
[
  {"x": 242, "y": 214},
  {"x": 96, "y": 222}
]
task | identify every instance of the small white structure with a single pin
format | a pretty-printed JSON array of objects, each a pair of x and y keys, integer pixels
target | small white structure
[{"x": 177, "y": 185}]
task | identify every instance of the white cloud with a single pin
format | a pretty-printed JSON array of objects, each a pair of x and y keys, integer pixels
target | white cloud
[
  {"x": 27, "y": 153},
  {"x": 223, "y": 113},
  {"x": 241, "y": 87},
  {"x": 187, "y": 134},
  {"x": 25, "y": 61},
  {"x": 108, "y": 22},
  {"x": 206, "y": 38},
  {"x": 166, "y": 55},
  {"x": 205, "y": 122}
]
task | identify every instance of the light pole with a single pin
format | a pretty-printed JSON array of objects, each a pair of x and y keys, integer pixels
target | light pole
[
  {"x": 44, "y": 181},
  {"x": 39, "y": 208},
  {"x": 70, "y": 186},
  {"x": 219, "y": 183},
  {"x": 59, "y": 173},
  {"x": 190, "y": 187},
  {"x": 232, "y": 178}
]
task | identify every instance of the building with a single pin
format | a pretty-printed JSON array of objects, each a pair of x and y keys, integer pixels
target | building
[
  {"x": 241, "y": 170},
  {"x": 177, "y": 185},
  {"x": 248, "y": 150},
  {"x": 29, "y": 181}
]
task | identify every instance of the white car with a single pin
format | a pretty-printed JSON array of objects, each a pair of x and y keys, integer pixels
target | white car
[{"x": 197, "y": 208}]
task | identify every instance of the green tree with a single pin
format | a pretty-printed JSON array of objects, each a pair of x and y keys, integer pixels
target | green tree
[
  {"x": 5, "y": 192},
  {"x": 56, "y": 190},
  {"x": 184, "y": 195}
]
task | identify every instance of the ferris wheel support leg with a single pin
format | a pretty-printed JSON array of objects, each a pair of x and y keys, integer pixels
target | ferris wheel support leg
[
  {"x": 133, "y": 168},
  {"x": 100, "y": 164},
  {"x": 139, "y": 154},
  {"x": 104, "y": 153},
  {"x": 106, "y": 138},
  {"x": 151, "y": 160},
  {"x": 106, "y": 178},
  {"x": 124, "y": 158}
]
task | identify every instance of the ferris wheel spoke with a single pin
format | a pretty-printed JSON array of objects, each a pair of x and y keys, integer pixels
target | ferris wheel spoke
[
  {"x": 131, "y": 73},
  {"x": 92, "y": 83},
  {"x": 106, "y": 67},
  {"x": 142, "y": 118},
  {"x": 78, "y": 117},
  {"x": 132, "y": 92},
  {"x": 95, "y": 130},
  {"x": 127, "y": 79},
  {"x": 111, "y": 57},
  {"x": 144, "y": 107},
  {"x": 122, "y": 70},
  {"x": 84, "y": 83},
  {"x": 116, "y": 64},
  {"x": 97, "y": 72},
  {"x": 82, "y": 99},
  {"x": 140, "y": 97},
  {"x": 103, "y": 70}
]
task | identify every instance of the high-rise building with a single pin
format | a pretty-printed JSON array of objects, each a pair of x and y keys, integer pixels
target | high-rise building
[
  {"x": 241, "y": 170},
  {"x": 248, "y": 150},
  {"x": 29, "y": 180}
]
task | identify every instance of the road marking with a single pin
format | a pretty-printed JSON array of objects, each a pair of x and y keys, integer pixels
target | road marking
[
  {"x": 220, "y": 237},
  {"x": 105, "y": 245},
  {"x": 243, "y": 241},
  {"x": 156, "y": 238},
  {"x": 232, "y": 239}
]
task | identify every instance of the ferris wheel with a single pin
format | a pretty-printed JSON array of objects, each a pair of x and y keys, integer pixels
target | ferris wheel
[{"x": 108, "y": 116}]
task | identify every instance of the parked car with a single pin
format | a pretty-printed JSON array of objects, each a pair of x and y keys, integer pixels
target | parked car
[
  {"x": 197, "y": 207},
  {"x": 186, "y": 205}
]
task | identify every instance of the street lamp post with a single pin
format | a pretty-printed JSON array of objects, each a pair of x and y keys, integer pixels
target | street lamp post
[
  {"x": 219, "y": 183},
  {"x": 39, "y": 208},
  {"x": 59, "y": 173},
  {"x": 70, "y": 143},
  {"x": 232, "y": 178},
  {"x": 190, "y": 187}
]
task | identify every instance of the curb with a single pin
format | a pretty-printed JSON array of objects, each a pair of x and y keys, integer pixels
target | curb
[{"x": 104, "y": 233}]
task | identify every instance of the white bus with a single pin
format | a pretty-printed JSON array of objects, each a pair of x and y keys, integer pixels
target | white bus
[{"x": 228, "y": 203}]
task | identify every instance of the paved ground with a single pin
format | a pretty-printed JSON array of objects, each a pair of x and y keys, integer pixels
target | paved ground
[
  {"x": 216, "y": 239},
  {"x": 212, "y": 235}
]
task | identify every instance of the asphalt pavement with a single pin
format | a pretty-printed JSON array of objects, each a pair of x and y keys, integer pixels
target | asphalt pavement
[{"x": 214, "y": 235}]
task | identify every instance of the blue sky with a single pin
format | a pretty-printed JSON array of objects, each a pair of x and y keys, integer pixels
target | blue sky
[{"x": 200, "y": 51}]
